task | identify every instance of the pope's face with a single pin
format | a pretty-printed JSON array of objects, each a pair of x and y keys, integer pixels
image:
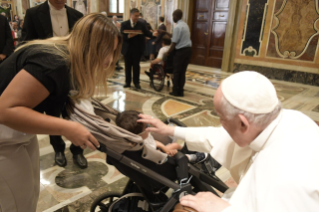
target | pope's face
[
  {"x": 58, "y": 4},
  {"x": 237, "y": 127}
]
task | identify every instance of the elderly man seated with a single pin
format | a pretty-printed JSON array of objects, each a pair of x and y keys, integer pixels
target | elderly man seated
[{"x": 273, "y": 153}]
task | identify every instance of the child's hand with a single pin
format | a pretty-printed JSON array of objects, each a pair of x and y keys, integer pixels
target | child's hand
[{"x": 170, "y": 152}]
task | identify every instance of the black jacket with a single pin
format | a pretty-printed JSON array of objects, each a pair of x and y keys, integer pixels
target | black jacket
[
  {"x": 138, "y": 42},
  {"x": 37, "y": 22},
  {"x": 6, "y": 39},
  {"x": 158, "y": 40}
]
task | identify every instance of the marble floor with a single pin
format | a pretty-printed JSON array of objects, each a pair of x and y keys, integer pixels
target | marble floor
[{"x": 72, "y": 189}]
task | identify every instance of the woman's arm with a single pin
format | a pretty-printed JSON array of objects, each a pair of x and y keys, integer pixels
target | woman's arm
[{"x": 16, "y": 103}]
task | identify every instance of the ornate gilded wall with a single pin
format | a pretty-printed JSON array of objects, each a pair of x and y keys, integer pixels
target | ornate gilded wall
[{"x": 280, "y": 38}]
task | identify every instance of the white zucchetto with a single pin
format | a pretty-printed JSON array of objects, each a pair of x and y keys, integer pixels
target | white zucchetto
[{"x": 251, "y": 92}]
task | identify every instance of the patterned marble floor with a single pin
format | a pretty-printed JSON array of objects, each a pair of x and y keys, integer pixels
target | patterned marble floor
[{"x": 71, "y": 189}]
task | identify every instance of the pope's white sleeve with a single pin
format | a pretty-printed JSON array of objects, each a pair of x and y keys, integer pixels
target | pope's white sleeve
[
  {"x": 213, "y": 140},
  {"x": 202, "y": 139}
]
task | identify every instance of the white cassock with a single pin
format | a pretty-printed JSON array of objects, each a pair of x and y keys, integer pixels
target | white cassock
[{"x": 278, "y": 171}]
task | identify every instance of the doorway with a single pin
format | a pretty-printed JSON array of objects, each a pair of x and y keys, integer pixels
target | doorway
[{"x": 208, "y": 32}]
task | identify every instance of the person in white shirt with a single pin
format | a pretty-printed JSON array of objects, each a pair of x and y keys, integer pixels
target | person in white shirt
[
  {"x": 166, "y": 44},
  {"x": 271, "y": 152}
]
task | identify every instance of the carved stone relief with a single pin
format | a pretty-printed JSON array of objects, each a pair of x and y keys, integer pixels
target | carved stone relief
[{"x": 295, "y": 28}]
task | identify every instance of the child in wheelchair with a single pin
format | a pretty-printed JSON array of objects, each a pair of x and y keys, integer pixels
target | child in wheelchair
[
  {"x": 128, "y": 121},
  {"x": 161, "y": 59}
]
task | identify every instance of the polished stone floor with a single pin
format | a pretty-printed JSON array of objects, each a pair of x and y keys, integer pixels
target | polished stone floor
[{"x": 72, "y": 189}]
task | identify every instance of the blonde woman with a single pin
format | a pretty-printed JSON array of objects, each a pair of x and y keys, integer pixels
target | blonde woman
[{"x": 39, "y": 76}]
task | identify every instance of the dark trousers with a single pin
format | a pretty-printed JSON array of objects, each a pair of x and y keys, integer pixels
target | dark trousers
[
  {"x": 181, "y": 60},
  {"x": 132, "y": 58},
  {"x": 57, "y": 141}
]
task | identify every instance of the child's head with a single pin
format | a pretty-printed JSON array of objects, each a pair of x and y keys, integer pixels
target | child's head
[
  {"x": 166, "y": 40},
  {"x": 128, "y": 121}
]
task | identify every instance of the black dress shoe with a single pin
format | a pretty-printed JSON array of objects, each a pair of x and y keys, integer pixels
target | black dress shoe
[
  {"x": 126, "y": 86},
  {"x": 174, "y": 94},
  {"x": 119, "y": 67},
  {"x": 80, "y": 160},
  {"x": 137, "y": 86},
  {"x": 60, "y": 159}
]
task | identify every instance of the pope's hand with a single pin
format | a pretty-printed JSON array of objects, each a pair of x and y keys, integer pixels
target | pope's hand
[
  {"x": 157, "y": 125},
  {"x": 204, "y": 202}
]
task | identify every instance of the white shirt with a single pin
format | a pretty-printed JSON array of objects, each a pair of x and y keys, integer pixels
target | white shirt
[
  {"x": 161, "y": 53},
  {"x": 132, "y": 23},
  {"x": 150, "y": 141},
  {"x": 278, "y": 171},
  {"x": 59, "y": 20}
]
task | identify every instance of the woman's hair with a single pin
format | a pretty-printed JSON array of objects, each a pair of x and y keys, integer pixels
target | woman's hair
[{"x": 85, "y": 50}]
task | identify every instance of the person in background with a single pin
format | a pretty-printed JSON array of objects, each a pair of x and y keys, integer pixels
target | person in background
[
  {"x": 115, "y": 22},
  {"x": 6, "y": 39},
  {"x": 132, "y": 50},
  {"x": 158, "y": 41},
  {"x": 53, "y": 18},
  {"x": 104, "y": 13},
  {"x": 146, "y": 52},
  {"x": 20, "y": 31},
  {"x": 17, "y": 20},
  {"x": 15, "y": 32},
  {"x": 182, "y": 49},
  {"x": 118, "y": 25},
  {"x": 166, "y": 43}
]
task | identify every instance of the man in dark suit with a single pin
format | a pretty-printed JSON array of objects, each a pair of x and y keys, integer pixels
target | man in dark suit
[
  {"x": 158, "y": 41},
  {"x": 40, "y": 22},
  {"x": 6, "y": 39},
  {"x": 53, "y": 18},
  {"x": 133, "y": 47}
]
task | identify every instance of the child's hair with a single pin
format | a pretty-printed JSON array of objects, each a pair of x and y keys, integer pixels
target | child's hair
[
  {"x": 128, "y": 121},
  {"x": 167, "y": 40}
]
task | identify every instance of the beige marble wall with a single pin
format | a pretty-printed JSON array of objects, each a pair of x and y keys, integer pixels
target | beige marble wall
[{"x": 280, "y": 46}]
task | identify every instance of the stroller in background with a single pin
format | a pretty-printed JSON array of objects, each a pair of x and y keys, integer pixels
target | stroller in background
[{"x": 151, "y": 173}]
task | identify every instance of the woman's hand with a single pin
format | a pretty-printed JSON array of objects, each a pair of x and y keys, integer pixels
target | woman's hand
[
  {"x": 157, "y": 125},
  {"x": 80, "y": 136}
]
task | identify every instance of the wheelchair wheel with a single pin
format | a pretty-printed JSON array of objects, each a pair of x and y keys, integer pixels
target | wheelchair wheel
[
  {"x": 103, "y": 202},
  {"x": 158, "y": 77}
]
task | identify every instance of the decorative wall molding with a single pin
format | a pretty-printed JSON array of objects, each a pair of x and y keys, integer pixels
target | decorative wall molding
[
  {"x": 292, "y": 42},
  {"x": 253, "y": 30},
  {"x": 281, "y": 74}
]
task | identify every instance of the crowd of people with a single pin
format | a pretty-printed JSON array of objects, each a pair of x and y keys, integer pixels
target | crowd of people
[{"x": 260, "y": 143}]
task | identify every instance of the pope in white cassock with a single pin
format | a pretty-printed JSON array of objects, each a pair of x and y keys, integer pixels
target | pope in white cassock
[{"x": 272, "y": 153}]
